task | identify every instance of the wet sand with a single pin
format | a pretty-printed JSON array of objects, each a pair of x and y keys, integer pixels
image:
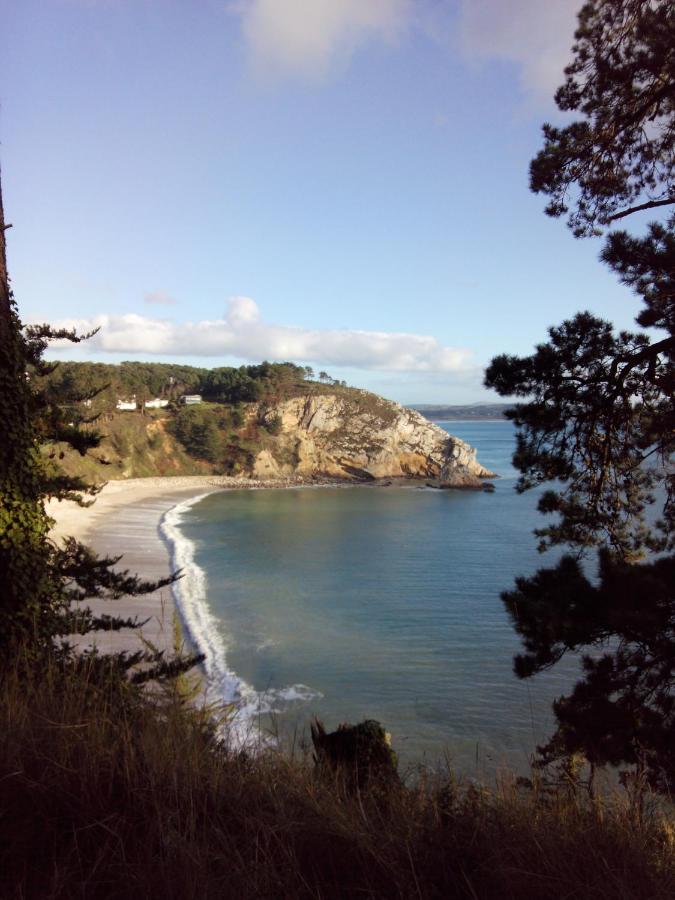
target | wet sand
[{"x": 125, "y": 521}]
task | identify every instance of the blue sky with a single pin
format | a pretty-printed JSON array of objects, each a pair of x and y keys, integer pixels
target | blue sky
[{"x": 338, "y": 182}]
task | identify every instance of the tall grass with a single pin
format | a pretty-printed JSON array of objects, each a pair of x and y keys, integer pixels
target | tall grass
[{"x": 109, "y": 793}]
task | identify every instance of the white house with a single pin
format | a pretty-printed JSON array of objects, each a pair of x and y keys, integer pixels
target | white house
[
  {"x": 157, "y": 403},
  {"x": 126, "y": 404},
  {"x": 190, "y": 399}
]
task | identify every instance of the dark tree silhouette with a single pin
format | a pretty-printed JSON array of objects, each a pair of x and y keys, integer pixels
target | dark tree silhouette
[
  {"x": 45, "y": 585},
  {"x": 619, "y": 158},
  {"x": 597, "y": 417}
]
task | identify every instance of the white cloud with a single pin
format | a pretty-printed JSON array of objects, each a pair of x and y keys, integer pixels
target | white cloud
[
  {"x": 243, "y": 333},
  {"x": 536, "y": 35},
  {"x": 308, "y": 37},
  {"x": 159, "y": 298},
  {"x": 311, "y": 37}
]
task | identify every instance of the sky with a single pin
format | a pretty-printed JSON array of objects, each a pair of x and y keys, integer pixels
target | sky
[{"x": 340, "y": 183}]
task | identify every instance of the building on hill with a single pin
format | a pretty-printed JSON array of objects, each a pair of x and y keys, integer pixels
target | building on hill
[
  {"x": 190, "y": 399},
  {"x": 126, "y": 404},
  {"x": 157, "y": 403}
]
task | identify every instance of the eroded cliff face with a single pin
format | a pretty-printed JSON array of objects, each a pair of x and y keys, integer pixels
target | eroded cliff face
[{"x": 360, "y": 435}]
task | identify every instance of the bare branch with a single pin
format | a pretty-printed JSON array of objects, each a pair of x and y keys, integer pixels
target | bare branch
[{"x": 651, "y": 204}]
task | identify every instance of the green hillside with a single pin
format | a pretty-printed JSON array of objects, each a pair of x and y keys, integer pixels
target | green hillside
[
  {"x": 104, "y": 384},
  {"x": 473, "y": 411},
  {"x": 220, "y": 435}
]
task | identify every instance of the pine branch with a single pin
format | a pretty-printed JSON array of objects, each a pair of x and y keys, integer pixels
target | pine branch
[{"x": 650, "y": 204}]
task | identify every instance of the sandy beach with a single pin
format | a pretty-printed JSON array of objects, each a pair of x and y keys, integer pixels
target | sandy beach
[{"x": 125, "y": 521}]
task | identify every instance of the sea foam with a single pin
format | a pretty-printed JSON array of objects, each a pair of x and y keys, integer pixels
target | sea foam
[{"x": 223, "y": 686}]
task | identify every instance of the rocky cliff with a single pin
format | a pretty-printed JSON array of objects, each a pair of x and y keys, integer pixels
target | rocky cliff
[
  {"x": 335, "y": 432},
  {"x": 356, "y": 434}
]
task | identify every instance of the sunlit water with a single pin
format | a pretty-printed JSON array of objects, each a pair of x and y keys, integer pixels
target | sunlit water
[{"x": 373, "y": 602}]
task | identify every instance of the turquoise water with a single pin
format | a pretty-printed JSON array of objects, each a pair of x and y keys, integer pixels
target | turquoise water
[{"x": 374, "y": 602}]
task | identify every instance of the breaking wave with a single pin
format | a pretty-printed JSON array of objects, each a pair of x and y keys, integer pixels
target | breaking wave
[{"x": 223, "y": 686}]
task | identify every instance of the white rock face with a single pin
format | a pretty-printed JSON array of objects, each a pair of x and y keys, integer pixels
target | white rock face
[{"x": 360, "y": 435}]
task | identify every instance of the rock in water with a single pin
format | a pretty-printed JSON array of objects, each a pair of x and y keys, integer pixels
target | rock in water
[
  {"x": 358, "y": 435},
  {"x": 361, "y": 754}
]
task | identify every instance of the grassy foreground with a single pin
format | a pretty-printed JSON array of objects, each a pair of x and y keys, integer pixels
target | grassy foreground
[{"x": 106, "y": 793}]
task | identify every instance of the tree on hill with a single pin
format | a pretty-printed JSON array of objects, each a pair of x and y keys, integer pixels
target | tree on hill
[
  {"x": 201, "y": 432},
  {"x": 597, "y": 416},
  {"x": 44, "y": 585},
  {"x": 106, "y": 383},
  {"x": 619, "y": 158}
]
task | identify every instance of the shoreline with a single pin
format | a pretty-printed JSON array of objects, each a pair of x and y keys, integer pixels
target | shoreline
[
  {"x": 83, "y": 522},
  {"x": 126, "y": 520}
]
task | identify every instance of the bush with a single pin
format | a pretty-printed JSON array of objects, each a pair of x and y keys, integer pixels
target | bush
[
  {"x": 111, "y": 793},
  {"x": 197, "y": 428},
  {"x": 273, "y": 424}
]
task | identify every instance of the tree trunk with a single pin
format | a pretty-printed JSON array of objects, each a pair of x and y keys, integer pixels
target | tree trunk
[{"x": 5, "y": 308}]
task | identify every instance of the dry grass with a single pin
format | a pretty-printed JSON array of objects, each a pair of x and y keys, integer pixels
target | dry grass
[
  {"x": 107, "y": 794},
  {"x": 135, "y": 446}
]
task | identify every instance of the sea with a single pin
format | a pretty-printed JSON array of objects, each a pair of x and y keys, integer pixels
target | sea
[{"x": 371, "y": 602}]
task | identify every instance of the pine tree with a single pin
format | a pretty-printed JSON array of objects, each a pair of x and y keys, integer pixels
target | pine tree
[
  {"x": 597, "y": 417},
  {"x": 619, "y": 158},
  {"x": 44, "y": 585}
]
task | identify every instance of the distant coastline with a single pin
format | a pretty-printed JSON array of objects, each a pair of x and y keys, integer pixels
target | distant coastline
[{"x": 476, "y": 412}]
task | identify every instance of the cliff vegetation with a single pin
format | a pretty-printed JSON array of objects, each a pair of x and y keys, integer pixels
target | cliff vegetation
[{"x": 267, "y": 421}]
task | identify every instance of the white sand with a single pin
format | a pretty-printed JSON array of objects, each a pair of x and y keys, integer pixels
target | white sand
[
  {"x": 82, "y": 523},
  {"x": 125, "y": 521}
]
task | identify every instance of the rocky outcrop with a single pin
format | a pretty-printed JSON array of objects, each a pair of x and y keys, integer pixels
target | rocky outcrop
[{"x": 358, "y": 435}]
